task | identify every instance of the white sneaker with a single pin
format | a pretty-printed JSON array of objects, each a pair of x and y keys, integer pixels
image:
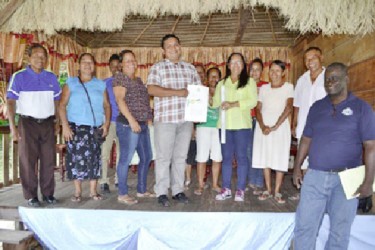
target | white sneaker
[
  {"x": 240, "y": 195},
  {"x": 225, "y": 193}
]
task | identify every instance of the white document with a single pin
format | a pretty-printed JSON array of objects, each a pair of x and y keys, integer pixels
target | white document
[
  {"x": 196, "y": 103},
  {"x": 351, "y": 179}
]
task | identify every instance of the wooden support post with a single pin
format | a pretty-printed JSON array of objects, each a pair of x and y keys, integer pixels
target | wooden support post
[
  {"x": 5, "y": 146},
  {"x": 15, "y": 163}
]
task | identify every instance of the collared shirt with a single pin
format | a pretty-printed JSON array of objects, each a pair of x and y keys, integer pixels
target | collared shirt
[
  {"x": 136, "y": 97},
  {"x": 236, "y": 117},
  {"x": 78, "y": 108},
  {"x": 167, "y": 74},
  {"x": 337, "y": 133},
  {"x": 35, "y": 92},
  {"x": 305, "y": 94},
  {"x": 112, "y": 99}
]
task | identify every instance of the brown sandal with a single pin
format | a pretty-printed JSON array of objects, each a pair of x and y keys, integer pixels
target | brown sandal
[
  {"x": 126, "y": 199},
  {"x": 265, "y": 196},
  {"x": 279, "y": 198},
  {"x": 96, "y": 197},
  {"x": 198, "y": 191},
  {"x": 76, "y": 198}
]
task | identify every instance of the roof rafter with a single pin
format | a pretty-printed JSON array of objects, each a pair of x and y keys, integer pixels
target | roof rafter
[
  {"x": 175, "y": 24},
  {"x": 144, "y": 30},
  {"x": 205, "y": 30},
  {"x": 243, "y": 16},
  {"x": 9, "y": 10},
  {"x": 271, "y": 24}
]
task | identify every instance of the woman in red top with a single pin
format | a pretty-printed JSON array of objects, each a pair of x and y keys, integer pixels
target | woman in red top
[{"x": 255, "y": 176}]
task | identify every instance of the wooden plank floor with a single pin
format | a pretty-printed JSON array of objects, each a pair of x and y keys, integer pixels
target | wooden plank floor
[{"x": 12, "y": 196}]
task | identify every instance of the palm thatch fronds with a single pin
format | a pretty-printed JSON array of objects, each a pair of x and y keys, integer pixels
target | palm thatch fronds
[{"x": 352, "y": 17}]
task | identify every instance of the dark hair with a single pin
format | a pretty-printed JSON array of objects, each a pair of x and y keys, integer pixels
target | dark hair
[
  {"x": 166, "y": 37},
  {"x": 213, "y": 68},
  {"x": 36, "y": 46},
  {"x": 244, "y": 77},
  {"x": 86, "y": 54},
  {"x": 125, "y": 51},
  {"x": 312, "y": 48},
  {"x": 257, "y": 60},
  {"x": 279, "y": 63},
  {"x": 114, "y": 57},
  {"x": 200, "y": 65},
  {"x": 338, "y": 65}
]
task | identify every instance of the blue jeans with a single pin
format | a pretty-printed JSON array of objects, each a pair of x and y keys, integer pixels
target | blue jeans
[
  {"x": 236, "y": 144},
  {"x": 255, "y": 176},
  {"x": 129, "y": 143},
  {"x": 322, "y": 192}
]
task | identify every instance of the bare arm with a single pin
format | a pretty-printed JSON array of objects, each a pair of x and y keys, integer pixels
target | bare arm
[
  {"x": 258, "y": 113},
  {"x": 11, "y": 104},
  {"x": 120, "y": 93},
  {"x": 228, "y": 105},
  {"x": 295, "y": 120},
  {"x": 158, "y": 91},
  {"x": 107, "y": 113},
  {"x": 284, "y": 115},
  {"x": 67, "y": 132},
  {"x": 302, "y": 152},
  {"x": 365, "y": 190}
]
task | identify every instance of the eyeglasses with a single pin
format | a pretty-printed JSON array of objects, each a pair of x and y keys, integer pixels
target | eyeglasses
[{"x": 235, "y": 62}]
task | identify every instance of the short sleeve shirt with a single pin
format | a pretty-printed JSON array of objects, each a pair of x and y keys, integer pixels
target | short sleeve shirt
[
  {"x": 306, "y": 94},
  {"x": 34, "y": 93},
  {"x": 167, "y": 74},
  {"x": 337, "y": 133},
  {"x": 136, "y": 97},
  {"x": 112, "y": 99}
]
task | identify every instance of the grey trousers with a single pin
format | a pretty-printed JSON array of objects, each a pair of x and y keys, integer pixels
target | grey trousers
[{"x": 171, "y": 148}]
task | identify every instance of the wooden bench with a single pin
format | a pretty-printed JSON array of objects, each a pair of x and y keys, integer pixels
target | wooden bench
[{"x": 17, "y": 238}]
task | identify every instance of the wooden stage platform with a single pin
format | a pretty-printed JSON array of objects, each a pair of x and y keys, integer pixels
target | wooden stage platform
[{"x": 12, "y": 197}]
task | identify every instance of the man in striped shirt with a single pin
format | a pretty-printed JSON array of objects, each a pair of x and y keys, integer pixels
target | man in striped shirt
[{"x": 167, "y": 82}]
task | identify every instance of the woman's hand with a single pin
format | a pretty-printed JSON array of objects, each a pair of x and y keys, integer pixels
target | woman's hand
[
  {"x": 134, "y": 125},
  {"x": 105, "y": 129},
  {"x": 67, "y": 133},
  {"x": 266, "y": 130},
  {"x": 226, "y": 105}
]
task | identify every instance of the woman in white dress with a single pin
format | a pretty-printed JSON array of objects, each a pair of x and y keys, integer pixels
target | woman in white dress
[{"x": 272, "y": 140}]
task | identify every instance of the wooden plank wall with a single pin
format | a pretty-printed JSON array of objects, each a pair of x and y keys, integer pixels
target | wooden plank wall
[
  {"x": 356, "y": 52},
  {"x": 362, "y": 80}
]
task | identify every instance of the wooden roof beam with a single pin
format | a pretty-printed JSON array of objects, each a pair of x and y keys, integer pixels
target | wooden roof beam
[
  {"x": 273, "y": 31},
  {"x": 143, "y": 31},
  {"x": 243, "y": 16},
  {"x": 8, "y": 11},
  {"x": 205, "y": 30},
  {"x": 175, "y": 24}
]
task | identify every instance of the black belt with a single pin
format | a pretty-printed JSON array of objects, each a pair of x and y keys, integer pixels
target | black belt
[{"x": 37, "y": 120}]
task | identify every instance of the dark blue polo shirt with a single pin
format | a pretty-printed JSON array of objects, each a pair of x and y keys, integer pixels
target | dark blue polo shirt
[{"x": 338, "y": 133}]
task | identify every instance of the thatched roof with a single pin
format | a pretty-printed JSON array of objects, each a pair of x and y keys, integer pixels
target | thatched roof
[{"x": 199, "y": 22}]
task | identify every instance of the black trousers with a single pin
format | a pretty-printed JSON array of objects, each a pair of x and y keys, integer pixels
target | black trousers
[{"x": 37, "y": 141}]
